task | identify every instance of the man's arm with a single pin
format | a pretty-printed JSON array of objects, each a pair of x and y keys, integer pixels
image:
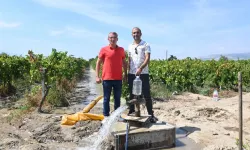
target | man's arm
[
  {"x": 146, "y": 61},
  {"x": 98, "y": 64},
  {"x": 128, "y": 64},
  {"x": 147, "y": 57},
  {"x": 125, "y": 67},
  {"x": 129, "y": 58}
]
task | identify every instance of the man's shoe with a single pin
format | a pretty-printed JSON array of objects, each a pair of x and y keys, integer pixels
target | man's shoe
[{"x": 153, "y": 119}]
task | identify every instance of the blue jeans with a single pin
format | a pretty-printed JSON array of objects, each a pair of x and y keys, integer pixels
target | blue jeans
[{"x": 117, "y": 90}]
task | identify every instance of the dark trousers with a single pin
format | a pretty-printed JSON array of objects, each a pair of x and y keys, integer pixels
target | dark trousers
[
  {"x": 145, "y": 91},
  {"x": 117, "y": 90}
]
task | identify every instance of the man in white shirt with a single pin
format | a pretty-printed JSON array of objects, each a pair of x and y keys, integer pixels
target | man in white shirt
[{"x": 139, "y": 57}]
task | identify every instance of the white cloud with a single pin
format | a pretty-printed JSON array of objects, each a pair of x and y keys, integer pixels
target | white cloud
[
  {"x": 9, "y": 25},
  {"x": 74, "y": 32},
  {"x": 202, "y": 17},
  {"x": 201, "y": 26},
  {"x": 84, "y": 33},
  {"x": 108, "y": 13},
  {"x": 56, "y": 32}
]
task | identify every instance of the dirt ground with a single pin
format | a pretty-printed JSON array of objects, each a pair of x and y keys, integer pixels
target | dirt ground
[
  {"x": 38, "y": 131},
  {"x": 212, "y": 124}
]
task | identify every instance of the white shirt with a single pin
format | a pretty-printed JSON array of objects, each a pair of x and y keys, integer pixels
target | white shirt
[{"x": 136, "y": 60}]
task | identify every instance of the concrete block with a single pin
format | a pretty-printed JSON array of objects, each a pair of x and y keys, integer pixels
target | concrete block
[{"x": 152, "y": 136}]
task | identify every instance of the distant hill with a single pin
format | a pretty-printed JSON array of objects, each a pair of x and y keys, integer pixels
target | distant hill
[{"x": 233, "y": 56}]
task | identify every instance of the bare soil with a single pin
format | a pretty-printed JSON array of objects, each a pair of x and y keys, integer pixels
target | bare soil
[{"x": 212, "y": 124}]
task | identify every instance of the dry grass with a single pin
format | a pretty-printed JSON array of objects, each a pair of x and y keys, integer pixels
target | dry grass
[
  {"x": 66, "y": 85},
  {"x": 26, "y": 106},
  {"x": 159, "y": 91}
]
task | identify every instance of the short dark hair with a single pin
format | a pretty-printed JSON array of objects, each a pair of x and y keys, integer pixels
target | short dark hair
[{"x": 137, "y": 29}]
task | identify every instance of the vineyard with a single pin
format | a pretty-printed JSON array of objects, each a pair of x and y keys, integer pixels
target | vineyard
[
  {"x": 62, "y": 71},
  {"x": 35, "y": 78},
  {"x": 194, "y": 75},
  {"x": 190, "y": 74}
]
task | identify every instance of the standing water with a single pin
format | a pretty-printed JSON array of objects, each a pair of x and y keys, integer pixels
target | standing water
[{"x": 101, "y": 140}]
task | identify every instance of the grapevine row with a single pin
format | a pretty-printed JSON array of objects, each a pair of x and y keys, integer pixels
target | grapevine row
[
  {"x": 60, "y": 66},
  {"x": 189, "y": 74}
]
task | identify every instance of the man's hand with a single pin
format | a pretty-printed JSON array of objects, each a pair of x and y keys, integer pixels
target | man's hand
[
  {"x": 98, "y": 80},
  {"x": 138, "y": 71},
  {"x": 98, "y": 63}
]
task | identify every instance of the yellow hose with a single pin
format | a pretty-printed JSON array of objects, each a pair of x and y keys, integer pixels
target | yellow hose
[
  {"x": 84, "y": 115},
  {"x": 72, "y": 119},
  {"x": 92, "y": 104}
]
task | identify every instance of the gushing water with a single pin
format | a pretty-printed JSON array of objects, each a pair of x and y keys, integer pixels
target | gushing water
[{"x": 101, "y": 139}]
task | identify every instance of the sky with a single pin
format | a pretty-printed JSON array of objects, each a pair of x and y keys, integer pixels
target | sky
[{"x": 183, "y": 28}]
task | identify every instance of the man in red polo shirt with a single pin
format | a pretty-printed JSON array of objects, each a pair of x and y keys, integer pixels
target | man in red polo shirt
[{"x": 113, "y": 59}]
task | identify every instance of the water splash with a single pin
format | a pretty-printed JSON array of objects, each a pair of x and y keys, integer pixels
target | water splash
[{"x": 102, "y": 139}]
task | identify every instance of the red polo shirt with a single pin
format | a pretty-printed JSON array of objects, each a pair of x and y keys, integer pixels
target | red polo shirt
[{"x": 112, "y": 62}]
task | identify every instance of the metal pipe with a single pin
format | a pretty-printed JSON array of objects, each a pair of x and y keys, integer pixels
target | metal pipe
[
  {"x": 137, "y": 107},
  {"x": 127, "y": 131}
]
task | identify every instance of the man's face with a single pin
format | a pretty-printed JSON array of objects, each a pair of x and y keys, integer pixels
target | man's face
[
  {"x": 136, "y": 34},
  {"x": 112, "y": 39}
]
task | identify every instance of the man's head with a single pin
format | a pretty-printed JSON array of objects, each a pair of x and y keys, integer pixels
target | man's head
[
  {"x": 136, "y": 33},
  {"x": 113, "y": 38}
]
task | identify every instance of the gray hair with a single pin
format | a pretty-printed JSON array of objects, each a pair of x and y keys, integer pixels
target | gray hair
[{"x": 114, "y": 33}]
